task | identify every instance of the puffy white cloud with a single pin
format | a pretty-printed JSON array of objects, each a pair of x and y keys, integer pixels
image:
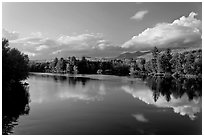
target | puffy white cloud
[
  {"x": 179, "y": 33},
  {"x": 189, "y": 21},
  {"x": 10, "y": 35},
  {"x": 139, "y": 15}
]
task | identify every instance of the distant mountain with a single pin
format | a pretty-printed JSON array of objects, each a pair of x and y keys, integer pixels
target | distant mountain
[
  {"x": 134, "y": 55},
  {"x": 149, "y": 56}
]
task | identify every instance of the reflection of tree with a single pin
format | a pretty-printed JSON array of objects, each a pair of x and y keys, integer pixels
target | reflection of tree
[
  {"x": 71, "y": 80},
  {"x": 15, "y": 102},
  {"x": 153, "y": 85},
  {"x": 193, "y": 88},
  {"x": 78, "y": 80},
  {"x": 168, "y": 87}
]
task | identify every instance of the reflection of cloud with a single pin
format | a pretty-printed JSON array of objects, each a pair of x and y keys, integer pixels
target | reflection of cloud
[
  {"x": 183, "y": 32},
  {"x": 89, "y": 92},
  {"x": 182, "y": 105},
  {"x": 47, "y": 90},
  {"x": 187, "y": 110},
  {"x": 140, "y": 117}
]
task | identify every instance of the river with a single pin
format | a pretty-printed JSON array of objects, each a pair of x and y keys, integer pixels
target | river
[{"x": 110, "y": 105}]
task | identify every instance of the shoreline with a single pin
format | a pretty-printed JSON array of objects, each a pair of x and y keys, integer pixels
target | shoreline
[{"x": 104, "y": 76}]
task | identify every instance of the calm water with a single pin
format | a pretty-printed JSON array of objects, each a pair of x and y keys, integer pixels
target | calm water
[{"x": 110, "y": 105}]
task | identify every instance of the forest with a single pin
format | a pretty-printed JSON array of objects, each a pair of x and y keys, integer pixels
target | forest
[{"x": 162, "y": 63}]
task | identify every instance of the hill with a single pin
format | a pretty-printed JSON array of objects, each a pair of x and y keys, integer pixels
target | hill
[{"x": 133, "y": 55}]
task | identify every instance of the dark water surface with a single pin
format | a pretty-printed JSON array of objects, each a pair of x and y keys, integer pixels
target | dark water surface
[{"x": 103, "y": 105}]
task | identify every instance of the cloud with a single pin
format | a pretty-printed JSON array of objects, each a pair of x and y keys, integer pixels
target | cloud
[
  {"x": 139, "y": 15},
  {"x": 83, "y": 41},
  {"x": 27, "y": 41},
  {"x": 29, "y": 53},
  {"x": 140, "y": 117},
  {"x": 45, "y": 47},
  {"x": 57, "y": 51},
  {"x": 36, "y": 34},
  {"x": 10, "y": 35},
  {"x": 34, "y": 45},
  {"x": 183, "y": 32},
  {"x": 41, "y": 47}
]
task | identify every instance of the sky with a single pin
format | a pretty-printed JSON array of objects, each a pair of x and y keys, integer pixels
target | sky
[{"x": 47, "y": 30}]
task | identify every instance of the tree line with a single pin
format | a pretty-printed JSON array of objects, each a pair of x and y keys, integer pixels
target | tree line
[
  {"x": 166, "y": 63},
  {"x": 16, "y": 65},
  {"x": 162, "y": 63},
  {"x": 82, "y": 66}
]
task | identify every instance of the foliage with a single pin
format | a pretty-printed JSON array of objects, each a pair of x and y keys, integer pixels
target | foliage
[
  {"x": 14, "y": 64},
  {"x": 164, "y": 61},
  {"x": 121, "y": 69},
  {"x": 61, "y": 65},
  {"x": 154, "y": 60},
  {"x": 188, "y": 63}
]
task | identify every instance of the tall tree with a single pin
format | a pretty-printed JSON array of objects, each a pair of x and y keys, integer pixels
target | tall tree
[
  {"x": 83, "y": 66},
  {"x": 61, "y": 65},
  {"x": 53, "y": 64},
  {"x": 155, "y": 63},
  {"x": 190, "y": 63},
  {"x": 14, "y": 64},
  {"x": 164, "y": 61},
  {"x": 142, "y": 62}
]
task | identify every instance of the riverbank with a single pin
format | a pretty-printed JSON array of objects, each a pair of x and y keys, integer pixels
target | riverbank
[
  {"x": 175, "y": 75},
  {"x": 91, "y": 76},
  {"x": 116, "y": 78}
]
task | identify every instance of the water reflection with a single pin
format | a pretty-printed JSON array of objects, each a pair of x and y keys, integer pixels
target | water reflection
[
  {"x": 50, "y": 88},
  {"x": 15, "y": 102},
  {"x": 72, "y": 80},
  {"x": 140, "y": 117},
  {"x": 175, "y": 87},
  {"x": 85, "y": 105},
  {"x": 183, "y": 95}
]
